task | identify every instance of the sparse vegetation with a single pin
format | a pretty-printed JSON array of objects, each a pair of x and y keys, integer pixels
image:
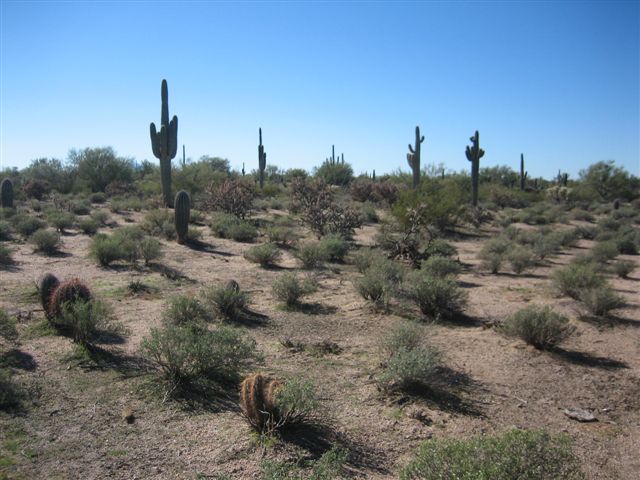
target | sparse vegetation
[
  {"x": 289, "y": 288},
  {"x": 539, "y": 326}
]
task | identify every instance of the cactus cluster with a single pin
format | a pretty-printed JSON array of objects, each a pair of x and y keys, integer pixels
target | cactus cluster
[
  {"x": 413, "y": 158},
  {"x": 182, "y": 213},
  {"x": 165, "y": 143},
  {"x": 258, "y": 402},
  {"x": 6, "y": 193},
  {"x": 262, "y": 159},
  {"x": 474, "y": 154}
]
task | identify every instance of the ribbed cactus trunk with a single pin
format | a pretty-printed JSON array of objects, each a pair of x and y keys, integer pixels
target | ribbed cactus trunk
[
  {"x": 165, "y": 143},
  {"x": 262, "y": 159},
  {"x": 6, "y": 193},
  {"x": 523, "y": 174},
  {"x": 182, "y": 213},
  {"x": 474, "y": 154},
  {"x": 413, "y": 158}
]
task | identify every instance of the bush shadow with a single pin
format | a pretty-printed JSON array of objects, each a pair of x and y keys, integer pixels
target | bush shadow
[
  {"x": 587, "y": 359},
  {"x": 19, "y": 360}
]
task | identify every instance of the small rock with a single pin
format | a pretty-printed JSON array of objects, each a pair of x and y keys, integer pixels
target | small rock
[{"x": 580, "y": 415}]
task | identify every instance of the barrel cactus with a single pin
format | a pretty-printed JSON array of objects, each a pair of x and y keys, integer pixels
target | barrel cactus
[
  {"x": 258, "y": 402},
  {"x": 48, "y": 283},
  {"x": 165, "y": 143},
  {"x": 68, "y": 291},
  {"x": 182, "y": 212},
  {"x": 6, "y": 193}
]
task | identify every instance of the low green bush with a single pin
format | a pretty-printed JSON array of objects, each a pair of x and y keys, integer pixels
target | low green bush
[
  {"x": 266, "y": 254},
  {"x": 437, "y": 298},
  {"x": 289, "y": 288},
  {"x": 335, "y": 247},
  {"x": 5, "y": 230},
  {"x": 622, "y": 268},
  {"x": 26, "y": 225},
  {"x": 84, "y": 320},
  {"x": 89, "y": 226},
  {"x": 7, "y": 326},
  {"x": 576, "y": 277},
  {"x": 515, "y": 454},
  {"x": 520, "y": 258},
  {"x": 600, "y": 301},
  {"x": 312, "y": 255},
  {"x": 282, "y": 236},
  {"x": 45, "y": 241},
  {"x": 539, "y": 326},
  {"x": 61, "y": 221},
  {"x": 227, "y": 299},
  {"x": 5, "y": 255},
  {"x": 183, "y": 309},
  {"x": 438, "y": 266},
  {"x": 602, "y": 252},
  {"x": 229, "y": 226}
]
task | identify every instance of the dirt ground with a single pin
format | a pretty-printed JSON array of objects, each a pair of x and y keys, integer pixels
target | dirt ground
[{"x": 72, "y": 426}]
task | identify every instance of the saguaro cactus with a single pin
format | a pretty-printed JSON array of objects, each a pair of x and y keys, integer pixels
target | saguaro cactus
[
  {"x": 474, "y": 154},
  {"x": 165, "y": 143},
  {"x": 182, "y": 212},
  {"x": 413, "y": 158},
  {"x": 262, "y": 159},
  {"x": 6, "y": 193},
  {"x": 523, "y": 174}
]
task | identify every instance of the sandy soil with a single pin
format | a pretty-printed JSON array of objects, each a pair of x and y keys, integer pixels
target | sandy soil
[{"x": 73, "y": 425}]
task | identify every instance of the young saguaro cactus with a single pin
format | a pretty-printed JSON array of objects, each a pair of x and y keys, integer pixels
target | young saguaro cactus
[
  {"x": 6, "y": 193},
  {"x": 413, "y": 158},
  {"x": 474, "y": 154},
  {"x": 262, "y": 159},
  {"x": 523, "y": 174},
  {"x": 165, "y": 143},
  {"x": 182, "y": 213}
]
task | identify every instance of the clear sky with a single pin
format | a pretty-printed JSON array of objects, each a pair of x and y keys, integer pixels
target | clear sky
[{"x": 557, "y": 81}]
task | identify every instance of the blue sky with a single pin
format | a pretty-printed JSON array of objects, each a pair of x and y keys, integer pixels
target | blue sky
[{"x": 557, "y": 81}]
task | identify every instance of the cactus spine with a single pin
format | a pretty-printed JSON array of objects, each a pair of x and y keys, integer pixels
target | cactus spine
[
  {"x": 474, "y": 154},
  {"x": 262, "y": 159},
  {"x": 165, "y": 143},
  {"x": 523, "y": 174},
  {"x": 6, "y": 193},
  {"x": 182, "y": 212},
  {"x": 413, "y": 158}
]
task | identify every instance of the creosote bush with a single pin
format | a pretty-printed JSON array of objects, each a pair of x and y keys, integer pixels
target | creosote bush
[
  {"x": 539, "y": 326},
  {"x": 437, "y": 298},
  {"x": 312, "y": 255},
  {"x": 515, "y": 454},
  {"x": 576, "y": 277},
  {"x": 45, "y": 241},
  {"x": 89, "y": 226},
  {"x": 266, "y": 254},
  {"x": 438, "y": 266},
  {"x": 600, "y": 301},
  {"x": 84, "y": 320},
  {"x": 26, "y": 225},
  {"x": 229, "y": 226},
  {"x": 227, "y": 299},
  {"x": 622, "y": 268},
  {"x": 289, "y": 288},
  {"x": 5, "y": 255},
  {"x": 183, "y": 309},
  {"x": 380, "y": 281},
  {"x": 335, "y": 247}
]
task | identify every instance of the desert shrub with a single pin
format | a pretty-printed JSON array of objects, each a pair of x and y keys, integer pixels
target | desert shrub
[
  {"x": 282, "y": 236},
  {"x": 534, "y": 455},
  {"x": 544, "y": 246},
  {"x": 629, "y": 242},
  {"x": 160, "y": 223},
  {"x": 361, "y": 189},
  {"x": 97, "y": 197},
  {"x": 36, "y": 188},
  {"x": 539, "y": 326},
  {"x": 375, "y": 287},
  {"x": 35, "y": 205},
  {"x": 228, "y": 226},
  {"x": 7, "y": 326},
  {"x": 289, "y": 288},
  {"x": 600, "y": 301},
  {"x": 584, "y": 215},
  {"x": 98, "y": 167},
  {"x": 335, "y": 247},
  {"x": 188, "y": 354},
  {"x": 441, "y": 248},
  {"x": 84, "y": 320},
  {"x": 183, "y": 309},
  {"x": 61, "y": 220},
  {"x": 234, "y": 197},
  {"x": 266, "y": 254},
  {"x": 587, "y": 232},
  {"x": 11, "y": 396},
  {"x": 368, "y": 213},
  {"x": 520, "y": 258},
  {"x": 493, "y": 253},
  {"x": 408, "y": 362},
  {"x": 197, "y": 217},
  {"x": 5, "y": 255},
  {"x": 5, "y": 230},
  {"x": 227, "y": 299},
  {"x": 364, "y": 258},
  {"x": 45, "y": 241},
  {"x": 100, "y": 216},
  {"x": 437, "y": 298},
  {"x": 26, "y": 225},
  {"x": 622, "y": 268},
  {"x": 150, "y": 249},
  {"x": 438, "y": 266},
  {"x": 80, "y": 208},
  {"x": 335, "y": 173},
  {"x": 602, "y": 252},
  {"x": 89, "y": 226},
  {"x": 575, "y": 277},
  {"x": 312, "y": 255},
  {"x": 105, "y": 249}
]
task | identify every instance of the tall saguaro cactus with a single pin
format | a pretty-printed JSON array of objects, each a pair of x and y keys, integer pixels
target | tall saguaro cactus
[
  {"x": 523, "y": 174},
  {"x": 262, "y": 159},
  {"x": 165, "y": 143},
  {"x": 414, "y": 158},
  {"x": 474, "y": 154}
]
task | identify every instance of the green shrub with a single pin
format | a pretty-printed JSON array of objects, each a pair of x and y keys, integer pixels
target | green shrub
[
  {"x": 599, "y": 301},
  {"x": 576, "y": 277},
  {"x": 602, "y": 252},
  {"x": 84, "y": 320},
  {"x": 368, "y": 213},
  {"x": 538, "y": 326},
  {"x": 61, "y": 221},
  {"x": 629, "y": 242},
  {"x": 282, "y": 236},
  {"x": 5, "y": 230},
  {"x": 81, "y": 208},
  {"x": 101, "y": 216},
  {"x": 5, "y": 255},
  {"x": 106, "y": 249},
  {"x": 520, "y": 258},
  {"x": 189, "y": 354},
  {"x": 46, "y": 241},
  {"x": 227, "y": 300},
  {"x": 160, "y": 223},
  {"x": 297, "y": 401},
  {"x": 622, "y": 268},
  {"x": 438, "y": 266},
  {"x": 441, "y": 248},
  {"x": 7, "y": 326},
  {"x": 183, "y": 309},
  {"x": 266, "y": 254},
  {"x": 229, "y": 226},
  {"x": 335, "y": 247},
  {"x": 312, "y": 255},
  {"x": 437, "y": 298},
  {"x": 289, "y": 288},
  {"x": 408, "y": 362},
  {"x": 89, "y": 226},
  {"x": 516, "y": 454},
  {"x": 493, "y": 253},
  {"x": 150, "y": 249},
  {"x": 364, "y": 258},
  {"x": 27, "y": 225},
  {"x": 375, "y": 287},
  {"x": 10, "y": 395},
  {"x": 97, "y": 197},
  {"x": 587, "y": 232}
]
